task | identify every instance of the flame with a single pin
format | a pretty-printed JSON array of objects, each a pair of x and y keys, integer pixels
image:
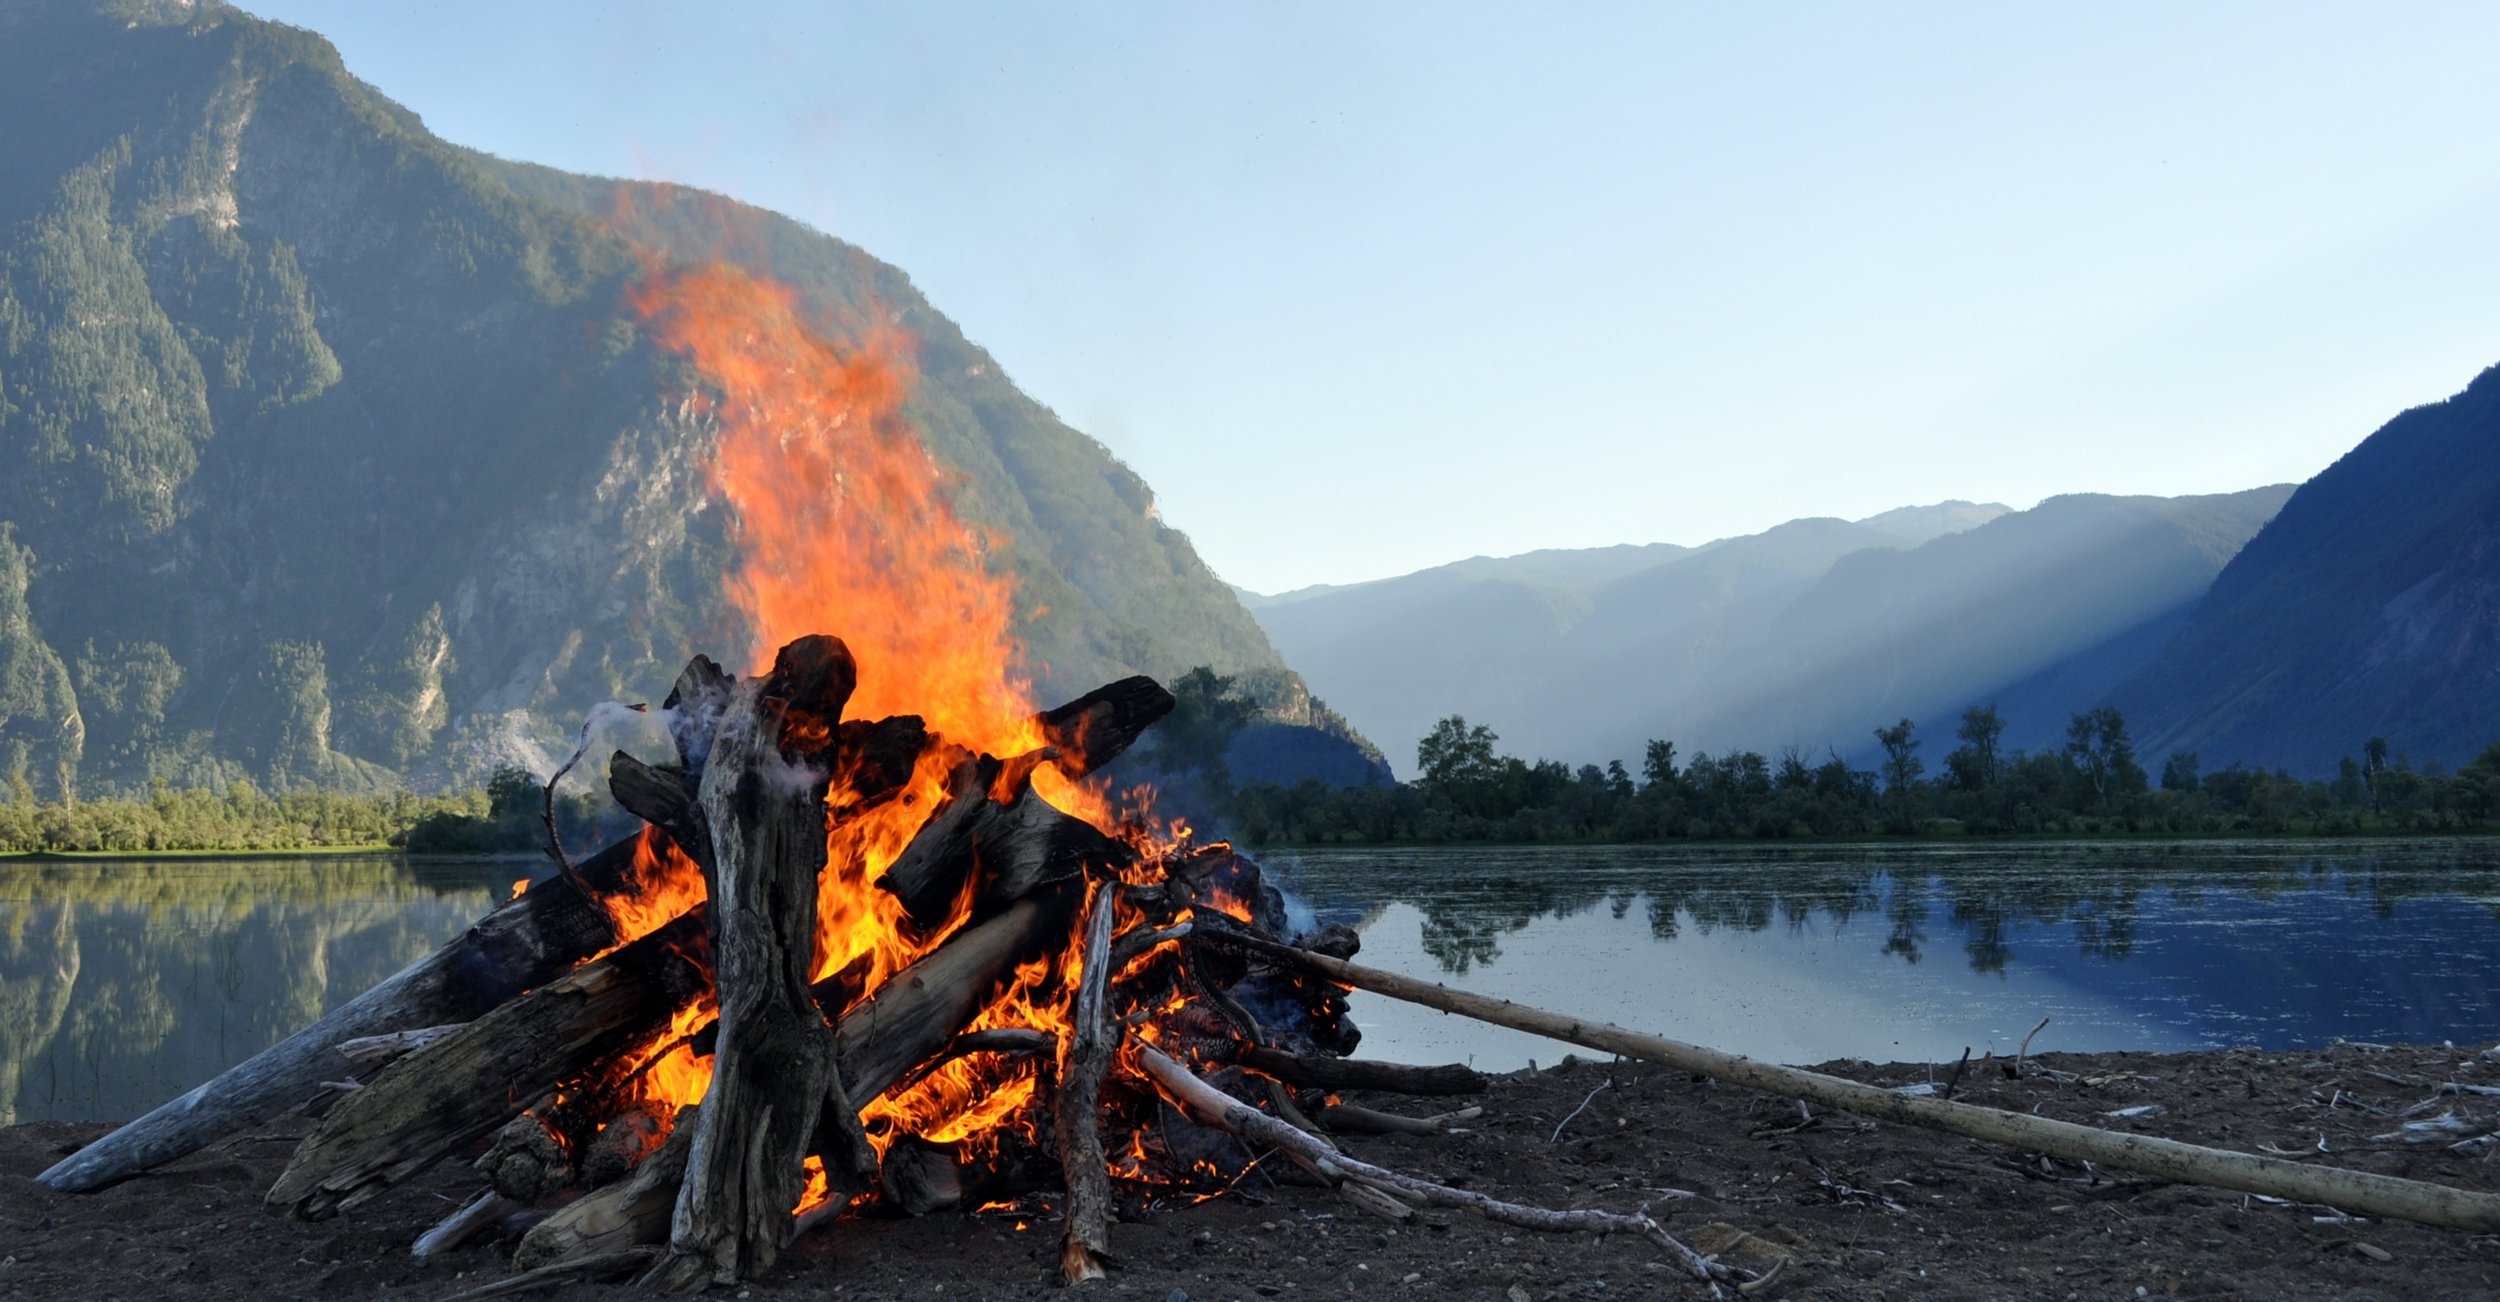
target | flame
[{"x": 845, "y": 523}]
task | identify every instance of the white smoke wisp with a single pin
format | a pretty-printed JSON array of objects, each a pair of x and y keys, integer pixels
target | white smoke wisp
[{"x": 605, "y": 714}]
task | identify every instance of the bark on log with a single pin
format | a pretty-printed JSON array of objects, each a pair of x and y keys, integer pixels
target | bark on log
[
  {"x": 1303, "y": 1071},
  {"x": 632, "y": 1212},
  {"x": 919, "y": 1177},
  {"x": 367, "y": 1054},
  {"x": 518, "y": 946},
  {"x": 483, "y": 1075},
  {"x": 694, "y": 707},
  {"x": 1086, "y": 1248},
  {"x": 763, "y": 795},
  {"x": 2350, "y": 1191}
]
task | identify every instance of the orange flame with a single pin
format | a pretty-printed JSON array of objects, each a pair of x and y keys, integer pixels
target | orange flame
[{"x": 844, "y": 523}]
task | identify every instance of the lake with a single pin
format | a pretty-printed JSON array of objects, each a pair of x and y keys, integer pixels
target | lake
[{"x": 123, "y": 984}]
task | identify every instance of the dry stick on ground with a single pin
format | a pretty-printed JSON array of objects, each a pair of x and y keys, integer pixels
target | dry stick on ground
[
  {"x": 1091, "y": 1040},
  {"x": 455, "y": 1229},
  {"x": 1565, "y": 1123},
  {"x": 1216, "y": 1108},
  {"x": 2025, "y": 1051},
  {"x": 1349, "y": 1118},
  {"x": 2352, "y": 1191}
]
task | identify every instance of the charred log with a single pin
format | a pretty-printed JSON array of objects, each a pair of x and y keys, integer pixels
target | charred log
[
  {"x": 1095, "y": 728},
  {"x": 483, "y": 1075}
]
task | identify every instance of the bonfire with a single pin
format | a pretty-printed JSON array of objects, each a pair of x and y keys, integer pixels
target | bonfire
[{"x": 889, "y": 939}]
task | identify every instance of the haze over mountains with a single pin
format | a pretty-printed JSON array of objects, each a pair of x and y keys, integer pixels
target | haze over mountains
[
  {"x": 1808, "y": 635},
  {"x": 335, "y": 453}
]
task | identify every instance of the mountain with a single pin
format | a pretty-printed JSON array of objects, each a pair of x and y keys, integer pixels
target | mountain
[
  {"x": 337, "y": 454},
  {"x": 1808, "y": 635},
  {"x": 1926, "y": 632},
  {"x": 1544, "y": 646},
  {"x": 2370, "y": 606}
]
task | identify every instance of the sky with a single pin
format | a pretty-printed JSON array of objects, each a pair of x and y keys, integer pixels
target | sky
[{"x": 1361, "y": 289}]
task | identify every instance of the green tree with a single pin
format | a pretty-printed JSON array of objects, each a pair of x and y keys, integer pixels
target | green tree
[
  {"x": 1456, "y": 758},
  {"x": 1901, "y": 769},
  {"x": 1206, "y": 715},
  {"x": 2098, "y": 747},
  {"x": 1658, "y": 763},
  {"x": 1973, "y": 765}
]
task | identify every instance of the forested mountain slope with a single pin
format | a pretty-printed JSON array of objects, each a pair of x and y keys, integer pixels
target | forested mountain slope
[{"x": 2369, "y": 607}]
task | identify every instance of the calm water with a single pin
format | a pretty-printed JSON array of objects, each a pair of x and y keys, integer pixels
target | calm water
[
  {"x": 123, "y": 984},
  {"x": 1909, "y": 955}
]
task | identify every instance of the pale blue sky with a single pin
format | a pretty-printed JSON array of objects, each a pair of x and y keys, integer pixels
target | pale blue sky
[{"x": 1365, "y": 288}]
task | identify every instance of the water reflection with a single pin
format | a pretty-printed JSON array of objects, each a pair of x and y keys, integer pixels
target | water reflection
[
  {"x": 1908, "y": 953},
  {"x": 123, "y": 984}
]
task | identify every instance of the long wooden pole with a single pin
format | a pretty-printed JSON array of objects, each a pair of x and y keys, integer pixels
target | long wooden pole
[{"x": 2346, "y": 1190}]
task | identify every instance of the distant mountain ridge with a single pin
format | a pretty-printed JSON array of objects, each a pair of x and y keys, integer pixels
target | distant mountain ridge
[
  {"x": 2370, "y": 606},
  {"x": 1535, "y": 643},
  {"x": 1808, "y": 635},
  {"x": 336, "y": 455}
]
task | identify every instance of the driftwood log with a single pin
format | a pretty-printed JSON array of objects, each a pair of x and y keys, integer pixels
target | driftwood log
[
  {"x": 773, "y": 1076},
  {"x": 2351, "y": 1191},
  {"x": 1085, "y": 1250},
  {"x": 483, "y": 1075}
]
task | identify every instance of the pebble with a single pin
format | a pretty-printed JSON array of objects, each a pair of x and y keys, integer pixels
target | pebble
[{"x": 1412, "y": 1276}]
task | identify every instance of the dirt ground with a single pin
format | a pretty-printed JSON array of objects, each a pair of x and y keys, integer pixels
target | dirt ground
[{"x": 1863, "y": 1210}]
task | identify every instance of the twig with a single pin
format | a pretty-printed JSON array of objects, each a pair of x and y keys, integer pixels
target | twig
[
  {"x": 1214, "y": 1107},
  {"x": 1954, "y": 1081},
  {"x": 1584, "y": 1106},
  {"x": 2025, "y": 1051},
  {"x": 547, "y": 803}
]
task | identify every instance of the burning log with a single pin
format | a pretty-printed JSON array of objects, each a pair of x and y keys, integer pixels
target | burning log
[
  {"x": 525, "y": 943},
  {"x": 1095, "y": 728},
  {"x": 468, "y": 1083},
  {"x": 763, "y": 795},
  {"x": 631, "y": 1214},
  {"x": 919, "y": 1177},
  {"x": 991, "y": 820},
  {"x": 1091, "y": 1040},
  {"x": 1309, "y": 1071}
]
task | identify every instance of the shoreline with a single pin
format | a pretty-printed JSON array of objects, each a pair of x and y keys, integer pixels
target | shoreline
[{"x": 1863, "y": 1209}]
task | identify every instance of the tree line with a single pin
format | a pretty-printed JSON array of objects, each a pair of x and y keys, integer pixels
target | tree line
[
  {"x": 2093, "y": 784},
  {"x": 502, "y": 817}
]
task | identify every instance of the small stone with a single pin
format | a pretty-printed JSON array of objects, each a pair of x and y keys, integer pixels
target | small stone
[
  {"x": 1412, "y": 1276},
  {"x": 1177, "y": 1295},
  {"x": 1517, "y": 1294},
  {"x": 2373, "y": 1251}
]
